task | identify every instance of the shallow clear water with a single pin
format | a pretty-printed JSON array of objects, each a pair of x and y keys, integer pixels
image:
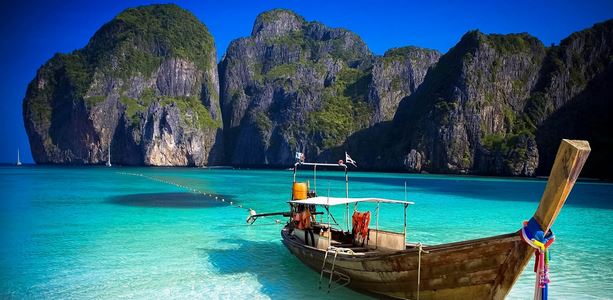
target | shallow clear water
[{"x": 107, "y": 233}]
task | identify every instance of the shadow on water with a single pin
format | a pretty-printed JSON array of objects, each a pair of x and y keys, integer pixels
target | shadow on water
[
  {"x": 275, "y": 268},
  {"x": 168, "y": 200}
]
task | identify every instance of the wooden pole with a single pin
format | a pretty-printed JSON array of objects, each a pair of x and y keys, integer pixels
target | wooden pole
[
  {"x": 377, "y": 232},
  {"x": 329, "y": 226},
  {"x": 405, "y": 223},
  {"x": 405, "y": 214},
  {"x": 315, "y": 178},
  {"x": 347, "y": 216},
  {"x": 346, "y": 183},
  {"x": 570, "y": 159}
]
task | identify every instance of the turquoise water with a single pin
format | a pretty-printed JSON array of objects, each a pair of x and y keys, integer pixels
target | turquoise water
[{"x": 85, "y": 233}]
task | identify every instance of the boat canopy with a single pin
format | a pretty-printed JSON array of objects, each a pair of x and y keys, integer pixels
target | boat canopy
[{"x": 331, "y": 201}]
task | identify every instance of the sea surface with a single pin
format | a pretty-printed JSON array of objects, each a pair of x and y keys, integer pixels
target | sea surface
[{"x": 150, "y": 233}]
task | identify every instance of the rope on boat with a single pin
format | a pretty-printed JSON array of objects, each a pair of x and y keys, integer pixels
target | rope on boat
[
  {"x": 190, "y": 189},
  {"x": 534, "y": 236},
  {"x": 419, "y": 269},
  {"x": 420, "y": 246}
]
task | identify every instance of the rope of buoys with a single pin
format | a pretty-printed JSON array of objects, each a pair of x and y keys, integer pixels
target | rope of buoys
[
  {"x": 533, "y": 235},
  {"x": 249, "y": 225},
  {"x": 191, "y": 189}
]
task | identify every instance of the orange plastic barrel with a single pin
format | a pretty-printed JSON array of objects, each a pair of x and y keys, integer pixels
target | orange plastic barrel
[{"x": 299, "y": 190}]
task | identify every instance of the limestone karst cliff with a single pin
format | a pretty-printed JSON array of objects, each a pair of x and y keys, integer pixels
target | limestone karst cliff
[
  {"x": 499, "y": 105},
  {"x": 146, "y": 85},
  {"x": 295, "y": 85},
  {"x": 149, "y": 86}
]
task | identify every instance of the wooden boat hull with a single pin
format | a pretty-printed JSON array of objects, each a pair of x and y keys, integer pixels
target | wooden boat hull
[{"x": 476, "y": 269}]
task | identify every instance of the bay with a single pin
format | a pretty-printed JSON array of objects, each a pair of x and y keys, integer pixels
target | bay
[{"x": 140, "y": 233}]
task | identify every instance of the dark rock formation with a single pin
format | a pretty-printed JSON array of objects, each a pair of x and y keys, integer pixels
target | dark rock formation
[
  {"x": 292, "y": 86},
  {"x": 474, "y": 92},
  {"x": 489, "y": 104},
  {"x": 146, "y": 84},
  {"x": 301, "y": 86},
  {"x": 396, "y": 75},
  {"x": 575, "y": 99}
]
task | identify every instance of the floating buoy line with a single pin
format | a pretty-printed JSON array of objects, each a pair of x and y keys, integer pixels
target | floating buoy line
[
  {"x": 197, "y": 191},
  {"x": 188, "y": 188}
]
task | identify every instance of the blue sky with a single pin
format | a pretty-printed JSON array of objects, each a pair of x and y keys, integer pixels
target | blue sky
[{"x": 31, "y": 32}]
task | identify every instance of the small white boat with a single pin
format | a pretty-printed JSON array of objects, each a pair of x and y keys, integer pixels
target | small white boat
[
  {"x": 108, "y": 161},
  {"x": 18, "y": 160}
]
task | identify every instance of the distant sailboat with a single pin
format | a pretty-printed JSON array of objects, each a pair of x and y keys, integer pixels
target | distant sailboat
[
  {"x": 108, "y": 161},
  {"x": 18, "y": 160}
]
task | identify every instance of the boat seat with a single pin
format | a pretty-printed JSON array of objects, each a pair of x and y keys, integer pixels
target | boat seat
[
  {"x": 340, "y": 245},
  {"x": 350, "y": 246},
  {"x": 359, "y": 249}
]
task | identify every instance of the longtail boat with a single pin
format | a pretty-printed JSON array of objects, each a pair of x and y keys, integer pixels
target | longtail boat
[{"x": 382, "y": 264}]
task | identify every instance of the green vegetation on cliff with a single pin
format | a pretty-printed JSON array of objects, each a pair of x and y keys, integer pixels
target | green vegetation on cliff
[
  {"x": 402, "y": 53},
  {"x": 343, "y": 109},
  {"x": 507, "y": 44},
  {"x": 192, "y": 110},
  {"x": 281, "y": 71},
  {"x": 336, "y": 46},
  {"x": 132, "y": 44},
  {"x": 273, "y": 14},
  {"x": 139, "y": 37}
]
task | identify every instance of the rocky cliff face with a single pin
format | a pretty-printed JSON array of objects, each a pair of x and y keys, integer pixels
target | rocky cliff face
[
  {"x": 485, "y": 106},
  {"x": 396, "y": 75},
  {"x": 295, "y": 85},
  {"x": 470, "y": 100},
  {"x": 574, "y": 98},
  {"x": 292, "y": 86},
  {"x": 146, "y": 85}
]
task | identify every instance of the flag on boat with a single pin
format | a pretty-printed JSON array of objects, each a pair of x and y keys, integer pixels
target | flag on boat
[
  {"x": 299, "y": 156},
  {"x": 349, "y": 160}
]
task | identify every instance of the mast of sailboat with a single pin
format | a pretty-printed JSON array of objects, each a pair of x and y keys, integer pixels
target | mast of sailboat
[
  {"x": 108, "y": 162},
  {"x": 18, "y": 160}
]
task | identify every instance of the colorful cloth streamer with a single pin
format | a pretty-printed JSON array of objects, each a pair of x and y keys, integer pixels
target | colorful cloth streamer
[{"x": 534, "y": 236}]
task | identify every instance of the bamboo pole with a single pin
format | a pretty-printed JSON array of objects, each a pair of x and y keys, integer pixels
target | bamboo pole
[{"x": 570, "y": 159}]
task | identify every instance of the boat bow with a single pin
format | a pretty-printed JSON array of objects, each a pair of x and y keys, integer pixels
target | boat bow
[{"x": 485, "y": 268}]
